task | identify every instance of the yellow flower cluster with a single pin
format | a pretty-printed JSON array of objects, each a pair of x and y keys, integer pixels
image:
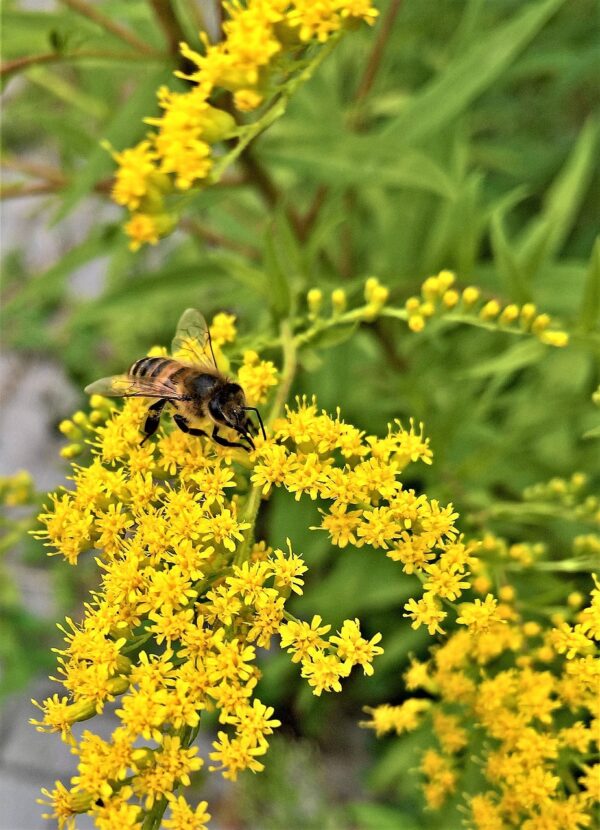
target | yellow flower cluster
[
  {"x": 358, "y": 474},
  {"x": 17, "y": 489},
  {"x": 439, "y": 297},
  {"x": 519, "y": 701},
  {"x": 263, "y": 42},
  {"x": 186, "y": 597}
]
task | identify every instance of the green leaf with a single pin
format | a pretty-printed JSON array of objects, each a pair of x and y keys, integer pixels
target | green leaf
[
  {"x": 279, "y": 266},
  {"x": 522, "y": 354},
  {"x": 507, "y": 261},
  {"x": 469, "y": 74},
  {"x": 589, "y": 314},
  {"x": 333, "y": 336},
  {"x": 380, "y": 817},
  {"x": 120, "y": 132},
  {"x": 546, "y": 234},
  {"x": 366, "y": 161}
]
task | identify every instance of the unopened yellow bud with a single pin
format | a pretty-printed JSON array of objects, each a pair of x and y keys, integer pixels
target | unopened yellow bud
[
  {"x": 71, "y": 451},
  {"x": 482, "y": 585},
  {"x": 80, "y": 418},
  {"x": 531, "y": 629},
  {"x": 528, "y": 312},
  {"x": 98, "y": 402},
  {"x": 339, "y": 300},
  {"x": 246, "y": 100},
  {"x": 371, "y": 283},
  {"x": 427, "y": 309},
  {"x": 579, "y": 480},
  {"x": 376, "y": 296},
  {"x": 412, "y": 304},
  {"x": 450, "y": 298},
  {"x": 490, "y": 310},
  {"x": 431, "y": 288},
  {"x": 545, "y": 654},
  {"x": 560, "y": 339},
  {"x": 314, "y": 299},
  {"x": 416, "y": 323},
  {"x": 446, "y": 279},
  {"x": 380, "y": 295},
  {"x": 509, "y": 314},
  {"x": 68, "y": 428},
  {"x": 96, "y": 417},
  {"x": 506, "y": 593},
  {"x": 540, "y": 323},
  {"x": 470, "y": 295},
  {"x": 575, "y": 600}
]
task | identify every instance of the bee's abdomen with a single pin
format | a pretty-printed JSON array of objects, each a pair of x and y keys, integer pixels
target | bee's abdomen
[{"x": 150, "y": 367}]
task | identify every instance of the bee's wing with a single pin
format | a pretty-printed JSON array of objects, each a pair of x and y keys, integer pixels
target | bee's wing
[
  {"x": 126, "y": 386},
  {"x": 192, "y": 343}
]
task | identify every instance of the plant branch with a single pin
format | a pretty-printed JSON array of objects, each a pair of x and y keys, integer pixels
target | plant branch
[
  {"x": 212, "y": 237},
  {"x": 374, "y": 62},
  {"x": 169, "y": 23},
  {"x": 19, "y": 64},
  {"x": 91, "y": 12}
]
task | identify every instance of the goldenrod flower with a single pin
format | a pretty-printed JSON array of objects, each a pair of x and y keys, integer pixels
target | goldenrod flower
[{"x": 256, "y": 57}]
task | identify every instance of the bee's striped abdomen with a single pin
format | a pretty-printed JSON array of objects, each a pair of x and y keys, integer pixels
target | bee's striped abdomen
[{"x": 149, "y": 367}]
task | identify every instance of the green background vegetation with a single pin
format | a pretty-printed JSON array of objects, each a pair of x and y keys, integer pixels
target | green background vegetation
[{"x": 460, "y": 135}]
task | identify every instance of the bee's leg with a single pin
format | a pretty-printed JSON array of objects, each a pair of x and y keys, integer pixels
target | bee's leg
[
  {"x": 218, "y": 439},
  {"x": 184, "y": 427},
  {"x": 153, "y": 419}
]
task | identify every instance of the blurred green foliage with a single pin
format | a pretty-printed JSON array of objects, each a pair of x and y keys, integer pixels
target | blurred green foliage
[{"x": 461, "y": 135}]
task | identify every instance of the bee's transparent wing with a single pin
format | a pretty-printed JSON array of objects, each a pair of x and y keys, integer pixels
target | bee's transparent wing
[
  {"x": 192, "y": 343},
  {"x": 125, "y": 386}
]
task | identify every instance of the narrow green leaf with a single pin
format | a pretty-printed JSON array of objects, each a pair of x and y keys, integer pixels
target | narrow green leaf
[
  {"x": 362, "y": 161},
  {"x": 333, "y": 336},
  {"x": 522, "y": 354},
  {"x": 280, "y": 296},
  {"x": 381, "y": 817},
  {"x": 469, "y": 74},
  {"x": 507, "y": 262},
  {"x": 544, "y": 237},
  {"x": 121, "y": 131},
  {"x": 589, "y": 314}
]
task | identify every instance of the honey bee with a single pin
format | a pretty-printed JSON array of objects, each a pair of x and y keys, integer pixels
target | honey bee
[{"x": 193, "y": 386}]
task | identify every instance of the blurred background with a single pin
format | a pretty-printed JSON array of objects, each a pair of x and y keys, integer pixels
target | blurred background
[{"x": 459, "y": 135}]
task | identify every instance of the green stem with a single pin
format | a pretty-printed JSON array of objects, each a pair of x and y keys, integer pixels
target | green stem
[
  {"x": 92, "y": 13},
  {"x": 154, "y": 817},
  {"x": 289, "y": 348},
  {"x": 290, "y": 365}
]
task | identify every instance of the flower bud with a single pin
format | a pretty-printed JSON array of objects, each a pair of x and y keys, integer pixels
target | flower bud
[
  {"x": 450, "y": 298},
  {"x": 490, "y": 310},
  {"x": 470, "y": 296},
  {"x": 339, "y": 300},
  {"x": 314, "y": 298},
  {"x": 509, "y": 314}
]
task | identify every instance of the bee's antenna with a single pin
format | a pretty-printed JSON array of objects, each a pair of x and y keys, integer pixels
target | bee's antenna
[{"x": 260, "y": 420}]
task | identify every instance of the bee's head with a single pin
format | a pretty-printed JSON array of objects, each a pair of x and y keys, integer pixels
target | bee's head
[{"x": 228, "y": 408}]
